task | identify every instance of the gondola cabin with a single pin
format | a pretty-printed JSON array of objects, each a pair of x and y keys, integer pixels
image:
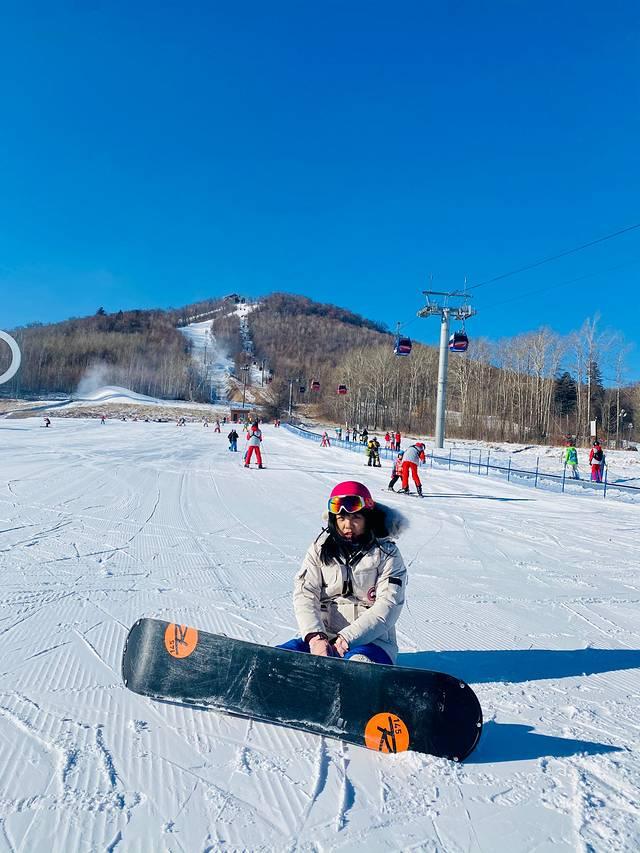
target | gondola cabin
[
  {"x": 302, "y": 389},
  {"x": 402, "y": 346},
  {"x": 459, "y": 342},
  {"x": 342, "y": 389},
  {"x": 315, "y": 385}
]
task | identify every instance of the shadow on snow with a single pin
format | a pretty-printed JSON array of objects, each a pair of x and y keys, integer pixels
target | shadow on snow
[
  {"x": 478, "y": 497},
  {"x": 502, "y": 742},
  {"x": 514, "y": 665}
]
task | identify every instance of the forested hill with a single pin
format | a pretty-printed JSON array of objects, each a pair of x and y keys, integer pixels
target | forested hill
[
  {"x": 300, "y": 336},
  {"x": 141, "y": 350},
  {"x": 144, "y": 350}
]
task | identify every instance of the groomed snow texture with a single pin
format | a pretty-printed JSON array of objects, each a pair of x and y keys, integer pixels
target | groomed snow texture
[{"x": 530, "y": 596}]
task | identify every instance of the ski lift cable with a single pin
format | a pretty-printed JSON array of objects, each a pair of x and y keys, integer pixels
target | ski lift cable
[
  {"x": 535, "y": 264},
  {"x": 556, "y": 257},
  {"x": 556, "y": 285}
]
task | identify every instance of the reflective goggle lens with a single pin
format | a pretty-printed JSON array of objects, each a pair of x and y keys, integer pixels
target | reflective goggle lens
[{"x": 348, "y": 503}]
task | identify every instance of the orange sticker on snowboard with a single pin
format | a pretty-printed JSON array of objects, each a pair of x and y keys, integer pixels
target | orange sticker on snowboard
[
  {"x": 180, "y": 640},
  {"x": 386, "y": 733}
]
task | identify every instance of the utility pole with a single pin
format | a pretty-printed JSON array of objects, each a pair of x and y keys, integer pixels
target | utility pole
[
  {"x": 440, "y": 307},
  {"x": 245, "y": 371},
  {"x": 589, "y": 395},
  {"x": 291, "y": 382}
]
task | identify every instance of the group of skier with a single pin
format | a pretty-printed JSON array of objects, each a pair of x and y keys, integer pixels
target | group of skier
[
  {"x": 596, "y": 460},
  {"x": 407, "y": 463},
  {"x": 392, "y": 440},
  {"x": 254, "y": 440}
]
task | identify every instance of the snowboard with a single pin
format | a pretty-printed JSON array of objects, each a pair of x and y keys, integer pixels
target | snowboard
[{"x": 385, "y": 708}]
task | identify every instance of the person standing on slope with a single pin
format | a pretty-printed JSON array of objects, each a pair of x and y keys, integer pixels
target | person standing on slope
[
  {"x": 233, "y": 441},
  {"x": 325, "y": 440},
  {"x": 397, "y": 438},
  {"x": 412, "y": 457},
  {"x": 596, "y": 460},
  {"x": 373, "y": 451},
  {"x": 571, "y": 459},
  {"x": 397, "y": 472},
  {"x": 254, "y": 437},
  {"x": 350, "y": 589}
]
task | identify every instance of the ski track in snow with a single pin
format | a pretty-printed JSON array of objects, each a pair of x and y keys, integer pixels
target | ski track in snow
[{"x": 530, "y": 596}]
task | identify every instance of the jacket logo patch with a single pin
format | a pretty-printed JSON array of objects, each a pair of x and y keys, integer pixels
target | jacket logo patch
[{"x": 371, "y": 595}]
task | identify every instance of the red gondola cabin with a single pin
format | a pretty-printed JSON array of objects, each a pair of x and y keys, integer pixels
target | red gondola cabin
[
  {"x": 402, "y": 346},
  {"x": 459, "y": 342}
]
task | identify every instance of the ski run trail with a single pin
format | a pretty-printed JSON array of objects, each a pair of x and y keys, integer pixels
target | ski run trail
[{"x": 530, "y": 596}]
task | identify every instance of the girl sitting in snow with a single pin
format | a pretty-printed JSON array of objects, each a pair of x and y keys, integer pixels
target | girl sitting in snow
[{"x": 349, "y": 593}]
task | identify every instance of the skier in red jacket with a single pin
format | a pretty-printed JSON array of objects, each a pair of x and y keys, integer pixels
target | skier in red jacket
[{"x": 596, "y": 460}]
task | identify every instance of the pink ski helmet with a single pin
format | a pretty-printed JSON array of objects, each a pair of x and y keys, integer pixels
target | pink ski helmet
[{"x": 350, "y": 496}]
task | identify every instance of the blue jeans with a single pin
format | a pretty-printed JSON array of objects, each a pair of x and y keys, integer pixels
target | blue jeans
[{"x": 370, "y": 650}]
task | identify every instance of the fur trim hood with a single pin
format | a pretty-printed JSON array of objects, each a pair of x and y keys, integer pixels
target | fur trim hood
[{"x": 396, "y": 522}]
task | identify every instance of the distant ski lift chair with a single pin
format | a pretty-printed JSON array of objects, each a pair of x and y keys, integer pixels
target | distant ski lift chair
[
  {"x": 459, "y": 342},
  {"x": 342, "y": 389},
  {"x": 315, "y": 385},
  {"x": 302, "y": 389},
  {"x": 402, "y": 346}
]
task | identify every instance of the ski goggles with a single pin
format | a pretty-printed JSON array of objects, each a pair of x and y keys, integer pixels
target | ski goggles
[{"x": 347, "y": 503}]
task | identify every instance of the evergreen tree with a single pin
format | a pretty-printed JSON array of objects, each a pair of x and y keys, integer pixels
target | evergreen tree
[{"x": 565, "y": 394}]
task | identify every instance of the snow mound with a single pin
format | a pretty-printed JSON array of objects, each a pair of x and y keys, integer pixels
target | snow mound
[{"x": 117, "y": 394}]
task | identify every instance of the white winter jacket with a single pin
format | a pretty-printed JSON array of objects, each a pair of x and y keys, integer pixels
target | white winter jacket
[
  {"x": 254, "y": 438},
  {"x": 413, "y": 454},
  {"x": 362, "y": 601}
]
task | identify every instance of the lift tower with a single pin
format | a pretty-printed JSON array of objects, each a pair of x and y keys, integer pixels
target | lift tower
[{"x": 438, "y": 304}]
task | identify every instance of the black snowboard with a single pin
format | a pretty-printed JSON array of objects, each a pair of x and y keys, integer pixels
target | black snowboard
[{"x": 386, "y": 708}]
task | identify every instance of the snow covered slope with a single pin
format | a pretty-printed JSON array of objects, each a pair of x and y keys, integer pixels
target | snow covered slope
[
  {"x": 529, "y": 596},
  {"x": 212, "y": 361}
]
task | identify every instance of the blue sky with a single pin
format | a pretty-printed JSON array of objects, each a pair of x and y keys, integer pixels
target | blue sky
[{"x": 156, "y": 154}]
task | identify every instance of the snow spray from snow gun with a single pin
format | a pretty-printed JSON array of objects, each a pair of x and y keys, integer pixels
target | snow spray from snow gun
[{"x": 16, "y": 358}]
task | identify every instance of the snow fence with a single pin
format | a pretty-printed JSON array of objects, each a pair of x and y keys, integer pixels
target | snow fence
[{"x": 478, "y": 464}]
